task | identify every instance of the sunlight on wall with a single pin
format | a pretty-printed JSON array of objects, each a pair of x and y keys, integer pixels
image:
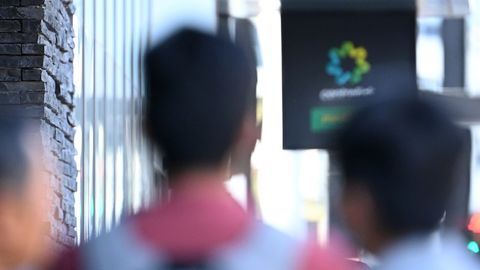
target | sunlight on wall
[
  {"x": 475, "y": 176},
  {"x": 292, "y": 185},
  {"x": 168, "y": 15}
]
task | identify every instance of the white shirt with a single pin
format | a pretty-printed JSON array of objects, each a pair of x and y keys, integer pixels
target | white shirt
[{"x": 438, "y": 252}]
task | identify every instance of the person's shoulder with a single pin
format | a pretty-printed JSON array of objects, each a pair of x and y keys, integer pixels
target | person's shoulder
[
  {"x": 313, "y": 257},
  {"x": 68, "y": 260},
  {"x": 457, "y": 255},
  {"x": 268, "y": 241},
  {"x": 306, "y": 255},
  {"x": 119, "y": 249}
]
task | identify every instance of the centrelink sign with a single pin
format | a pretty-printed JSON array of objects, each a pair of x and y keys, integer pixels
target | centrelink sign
[{"x": 337, "y": 55}]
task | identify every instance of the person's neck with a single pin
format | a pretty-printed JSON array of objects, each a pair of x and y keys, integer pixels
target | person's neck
[
  {"x": 196, "y": 178},
  {"x": 384, "y": 241},
  {"x": 380, "y": 239},
  {"x": 378, "y": 244}
]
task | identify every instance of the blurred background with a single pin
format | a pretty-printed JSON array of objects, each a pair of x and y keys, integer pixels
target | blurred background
[{"x": 293, "y": 191}]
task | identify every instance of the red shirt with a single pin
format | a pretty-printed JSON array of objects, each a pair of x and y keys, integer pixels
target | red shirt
[{"x": 200, "y": 218}]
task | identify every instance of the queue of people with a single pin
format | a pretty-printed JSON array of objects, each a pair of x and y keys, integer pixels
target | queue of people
[{"x": 397, "y": 157}]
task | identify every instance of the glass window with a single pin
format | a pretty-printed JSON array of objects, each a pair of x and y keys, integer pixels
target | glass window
[
  {"x": 115, "y": 165},
  {"x": 110, "y": 142},
  {"x": 473, "y": 50},
  {"x": 430, "y": 54}
]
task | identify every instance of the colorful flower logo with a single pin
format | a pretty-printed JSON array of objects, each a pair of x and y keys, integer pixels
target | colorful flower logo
[{"x": 338, "y": 55}]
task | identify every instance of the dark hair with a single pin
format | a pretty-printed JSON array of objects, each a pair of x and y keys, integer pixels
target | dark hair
[
  {"x": 198, "y": 87},
  {"x": 404, "y": 152},
  {"x": 13, "y": 157}
]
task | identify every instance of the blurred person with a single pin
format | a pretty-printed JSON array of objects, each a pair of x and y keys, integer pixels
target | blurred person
[
  {"x": 197, "y": 115},
  {"x": 398, "y": 159},
  {"x": 23, "y": 196}
]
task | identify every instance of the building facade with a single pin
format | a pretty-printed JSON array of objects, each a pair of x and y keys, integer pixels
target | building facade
[
  {"x": 75, "y": 67},
  {"x": 36, "y": 74}
]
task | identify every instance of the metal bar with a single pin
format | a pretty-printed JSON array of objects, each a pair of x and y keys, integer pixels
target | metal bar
[
  {"x": 83, "y": 230},
  {"x": 114, "y": 114},
  {"x": 125, "y": 162},
  {"x": 454, "y": 46},
  {"x": 94, "y": 159},
  {"x": 105, "y": 123}
]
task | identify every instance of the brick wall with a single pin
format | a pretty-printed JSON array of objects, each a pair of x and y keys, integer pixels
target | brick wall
[{"x": 36, "y": 73}]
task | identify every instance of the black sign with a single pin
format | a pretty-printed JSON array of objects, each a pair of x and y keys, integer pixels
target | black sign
[{"x": 333, "y": 61}]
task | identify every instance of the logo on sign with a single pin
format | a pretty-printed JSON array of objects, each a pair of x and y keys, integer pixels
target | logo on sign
[{"x": 346, "y": 54}]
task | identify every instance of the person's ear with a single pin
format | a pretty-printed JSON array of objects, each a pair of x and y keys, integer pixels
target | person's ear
[
  {"x": 8, "y": 216},
  {"x": 249, "y": 133},
  {"x": 244, "y": 145},
  {"x": 358, "y": 210}
]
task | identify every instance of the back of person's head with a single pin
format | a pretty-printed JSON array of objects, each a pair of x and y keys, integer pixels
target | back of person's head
[
  {"x": 13, "y": 155},
  {"x": 403, "y": 153},
  {"x": 24, "y": 189},
  {"x": 198, "y": 88}
]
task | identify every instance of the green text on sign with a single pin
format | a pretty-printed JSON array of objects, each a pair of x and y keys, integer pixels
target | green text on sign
[{"x": 328, "y": 118}]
